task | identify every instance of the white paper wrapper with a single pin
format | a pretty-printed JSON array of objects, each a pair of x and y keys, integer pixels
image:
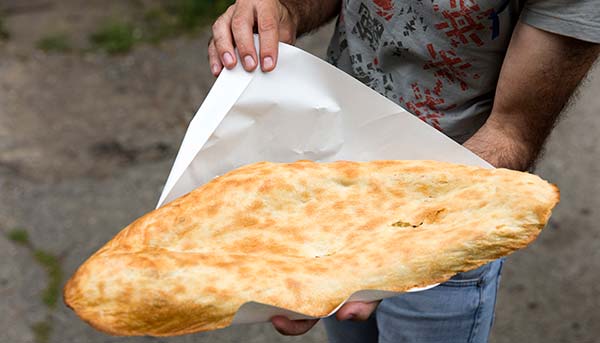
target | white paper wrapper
[{"x": 305, "y": 109}]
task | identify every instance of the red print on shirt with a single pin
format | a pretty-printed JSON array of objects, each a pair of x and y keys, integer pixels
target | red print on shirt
[
  {"x": 426, "y": 104},
  {"x": 461, "y": 21},
  {"x": 460, "y": 24},
  {"x": 385, "y": 8},
  {"x": 447, "y": 65}
]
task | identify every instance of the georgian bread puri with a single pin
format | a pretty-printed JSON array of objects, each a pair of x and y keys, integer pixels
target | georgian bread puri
[{"x": 304, "y": 236}]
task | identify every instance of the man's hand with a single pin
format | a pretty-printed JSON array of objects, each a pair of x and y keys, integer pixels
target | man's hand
[
  {"x": 275, "y": 20},
  {"x": 236, "y": 27},
  {"x": 357, "y": 311}
]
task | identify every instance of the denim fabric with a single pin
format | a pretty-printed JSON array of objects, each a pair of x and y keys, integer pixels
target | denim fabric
[{"x": 459, "y": 310}]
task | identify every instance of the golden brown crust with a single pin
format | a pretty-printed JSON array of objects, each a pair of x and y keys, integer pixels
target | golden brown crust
[{"x": 304, "y": 236}]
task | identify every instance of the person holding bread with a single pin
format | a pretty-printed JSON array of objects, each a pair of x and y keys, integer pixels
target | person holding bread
[{"x": 492, "y": 75}]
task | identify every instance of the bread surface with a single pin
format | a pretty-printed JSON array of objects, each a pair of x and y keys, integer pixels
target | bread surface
[{"x": 304, "y": 236}]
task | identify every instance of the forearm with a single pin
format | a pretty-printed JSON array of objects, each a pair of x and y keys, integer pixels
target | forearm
[
  {"x": 540, "y": 73},
  {"x": 500, "y": 148},
  {"x": 311, "y": 14}
]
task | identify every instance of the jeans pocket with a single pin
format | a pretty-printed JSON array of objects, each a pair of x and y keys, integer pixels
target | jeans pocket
[{"x": 469, "y": 278}]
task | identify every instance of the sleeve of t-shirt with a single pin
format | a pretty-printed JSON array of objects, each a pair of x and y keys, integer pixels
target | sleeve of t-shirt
[{"x": 578, "y": 19}]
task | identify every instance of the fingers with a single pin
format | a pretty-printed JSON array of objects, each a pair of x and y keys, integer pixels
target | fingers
[
  {"x": 223, "y": 40},
  {"x": 356, "y": 311},
  {"x": 235, "y": 29},
  {"x": 242, "y": 23},
  {"x": 213, "y": 59},
  {"x": 292, "y": 327},
  {"x": 268, "y": 33}
]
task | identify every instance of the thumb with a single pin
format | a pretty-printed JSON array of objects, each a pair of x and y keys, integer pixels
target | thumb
[{"x": 356, "y": 310}]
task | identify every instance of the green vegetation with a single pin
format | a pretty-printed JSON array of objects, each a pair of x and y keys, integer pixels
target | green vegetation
[
  {"x": 52, "y": 266},
  {"x": 169, "y": 19},
  {"x": 4, "y": 34},
  {"x": 193, "y": 13},
  {"x": 58, "y": 42},
  {"x": 157, "y": 23},
  {"x": 18, "y": 236},
  {"x": 49, "y": 262},
  {"x": 41, "y": 331},
  {"x": 114, "y": 37}
]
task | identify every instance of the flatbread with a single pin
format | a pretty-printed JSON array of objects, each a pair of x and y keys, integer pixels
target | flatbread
[{"x": 304, "y": 236}]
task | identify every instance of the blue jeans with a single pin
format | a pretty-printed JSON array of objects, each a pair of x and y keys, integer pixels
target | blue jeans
[{"x": 459, "y": 310}]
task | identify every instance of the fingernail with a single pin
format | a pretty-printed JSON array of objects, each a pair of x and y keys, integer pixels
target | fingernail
[
  {"x": 228, "y": 58},
  {"x": 351, "y": 316},
  {"x": 215, "y": 69},
  {"x": 249, "y": 61},
  {"x": 268, "y": 63}
]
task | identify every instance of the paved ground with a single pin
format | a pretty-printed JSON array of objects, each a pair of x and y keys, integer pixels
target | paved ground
[{"x": 87, "y": 140}]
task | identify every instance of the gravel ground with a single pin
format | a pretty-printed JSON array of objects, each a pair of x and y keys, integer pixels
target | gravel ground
[{"x": 87, "y": 141}]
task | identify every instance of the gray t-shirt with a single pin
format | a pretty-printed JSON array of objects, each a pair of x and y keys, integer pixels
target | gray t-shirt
[{"x": 440, "y": 60}]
